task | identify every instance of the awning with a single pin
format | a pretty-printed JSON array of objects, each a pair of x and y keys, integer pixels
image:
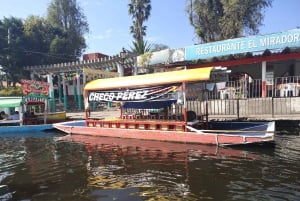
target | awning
[
  {"x": 6, "y": 102},
  {"x": 155, "y": 79}
]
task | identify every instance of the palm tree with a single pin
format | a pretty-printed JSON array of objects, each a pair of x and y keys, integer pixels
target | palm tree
[
  {"x": 140, "y": 47},
  {"x": 140, "y": 12}
]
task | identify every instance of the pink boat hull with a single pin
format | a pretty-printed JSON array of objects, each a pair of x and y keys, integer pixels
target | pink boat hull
[{"x": 168, "y": 136}]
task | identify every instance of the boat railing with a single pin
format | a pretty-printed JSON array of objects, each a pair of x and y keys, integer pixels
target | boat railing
[
  {"x": 10, "y": 122},
  {"x": 151, "y": 116},
  {"x": 138, "y": 124}
]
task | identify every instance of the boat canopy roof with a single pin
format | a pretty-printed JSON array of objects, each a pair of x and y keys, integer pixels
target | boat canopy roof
[
  {"x": 191, "y": 75},
  {"x": 6, "y": 102}
]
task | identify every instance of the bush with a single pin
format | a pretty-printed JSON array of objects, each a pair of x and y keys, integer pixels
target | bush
[{"x": 11, "y": 91}]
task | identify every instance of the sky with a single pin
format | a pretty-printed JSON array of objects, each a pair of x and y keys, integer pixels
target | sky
[{"x": 109, "y": 22}]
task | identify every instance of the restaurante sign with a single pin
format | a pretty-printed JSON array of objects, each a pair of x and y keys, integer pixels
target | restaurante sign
[{"x": 256, "y": 43}]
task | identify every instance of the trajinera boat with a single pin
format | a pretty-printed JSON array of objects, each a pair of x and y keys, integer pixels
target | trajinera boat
[
  {"x": 28, "y": 113},
  {"x": 166, "y": 106}
]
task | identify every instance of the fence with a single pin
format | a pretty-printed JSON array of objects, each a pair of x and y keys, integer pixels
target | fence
[{"x": 243, "y": 99}]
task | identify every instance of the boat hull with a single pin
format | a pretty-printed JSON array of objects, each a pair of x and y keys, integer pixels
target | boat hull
[
  {"x": 53, "y": 117},
  {"x": 25, "y": 128},
  {"x": 211, "y": 138}
]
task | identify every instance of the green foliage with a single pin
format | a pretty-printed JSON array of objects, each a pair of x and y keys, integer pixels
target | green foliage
[
  {"x": 158, "y": 47},
  {"x": 37, "y": 41},
  {"x": 38, "y": 35},
  {"x": 145, "y": 60},
  {"x": 140, "y": 47},
  {"x": 11, "y": 91},
  {"x": 216, "y": 20},
  {"x": 13, "y": 56},
  {"x": 3, "y": 40},
  {"x": 67, "y": 16}
]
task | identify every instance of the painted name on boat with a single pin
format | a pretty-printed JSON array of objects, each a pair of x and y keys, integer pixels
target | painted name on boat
[{"x": 140, "y": 94}]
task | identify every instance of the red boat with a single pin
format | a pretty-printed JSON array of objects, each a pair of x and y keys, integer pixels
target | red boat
[{"x": 164, "y": 107}]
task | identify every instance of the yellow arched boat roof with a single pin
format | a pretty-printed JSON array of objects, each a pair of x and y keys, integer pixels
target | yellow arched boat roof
[{"x": 154, "y": 79}]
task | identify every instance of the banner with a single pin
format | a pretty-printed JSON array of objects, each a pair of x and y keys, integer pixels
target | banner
[
  {"x": 135, "y": 95},
  {"x": 257, "y": 43}
]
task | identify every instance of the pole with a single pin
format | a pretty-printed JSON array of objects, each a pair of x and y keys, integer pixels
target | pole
[
  {"x": 79, "y": 91},
  {"x": 59, "y": 89},
  {"x": 263, "y": 75},
  {"x": 184, "y": 103},
  {"x": 65, "y": 93},
  {"x": 51, "y": 93}
]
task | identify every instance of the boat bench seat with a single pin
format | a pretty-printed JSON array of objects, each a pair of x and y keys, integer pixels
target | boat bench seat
[{"x": 137, "y": 124}]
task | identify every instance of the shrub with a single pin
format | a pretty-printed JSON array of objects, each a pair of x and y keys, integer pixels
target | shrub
[{"x": 11, "y": 91}]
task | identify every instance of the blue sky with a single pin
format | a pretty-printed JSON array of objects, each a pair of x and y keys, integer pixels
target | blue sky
[{"x": 168, "y": 24}]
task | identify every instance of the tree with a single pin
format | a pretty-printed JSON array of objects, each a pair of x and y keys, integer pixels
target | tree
[
  {"x": 158, "y": 47},
  {"x": 3, "y": 41},
  {"x": 140, "y": 47},
  {"x": 140, "y": 12},
  {"x": 67, "y": 16},
  {"x": 38, "y": 37},
  {"x": 12, "y": 55},
  {"x": 216, "y": 20}
]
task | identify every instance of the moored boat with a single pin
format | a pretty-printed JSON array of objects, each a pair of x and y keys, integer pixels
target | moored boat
[
  {"x": 17, "y": 125},
  {"x": 52, "y": 117},
  {"x": 20, "y": 112},
  {"x": 161, "y": 106}
]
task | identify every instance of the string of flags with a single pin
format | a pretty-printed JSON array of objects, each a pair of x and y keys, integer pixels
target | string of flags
[{"x": 89, "y": 73}]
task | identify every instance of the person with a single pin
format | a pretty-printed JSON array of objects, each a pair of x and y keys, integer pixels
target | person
[
  {"x": 1, "y": 118},
  {"x": 26, "y": 114},
  {"x": 4, "y": 116},
  {"x": 15, "y": 116}
]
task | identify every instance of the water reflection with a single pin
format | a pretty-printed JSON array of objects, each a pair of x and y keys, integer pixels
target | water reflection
[
  {"x": 94, "y": 168},
  {"x": 156, "y": 170}
]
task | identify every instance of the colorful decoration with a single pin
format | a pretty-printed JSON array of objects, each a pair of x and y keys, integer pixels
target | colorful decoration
[
  {"x": 35, "y": 92},
  {"x": 35, "y": 87}
]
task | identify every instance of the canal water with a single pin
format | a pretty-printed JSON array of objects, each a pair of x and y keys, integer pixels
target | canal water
[{"x": 47, "y": 166}]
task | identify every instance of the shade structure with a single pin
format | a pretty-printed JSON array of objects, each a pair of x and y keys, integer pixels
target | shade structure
[
  {"x": 191, "y": 75},
  {"x": 6, "y": 102}
]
